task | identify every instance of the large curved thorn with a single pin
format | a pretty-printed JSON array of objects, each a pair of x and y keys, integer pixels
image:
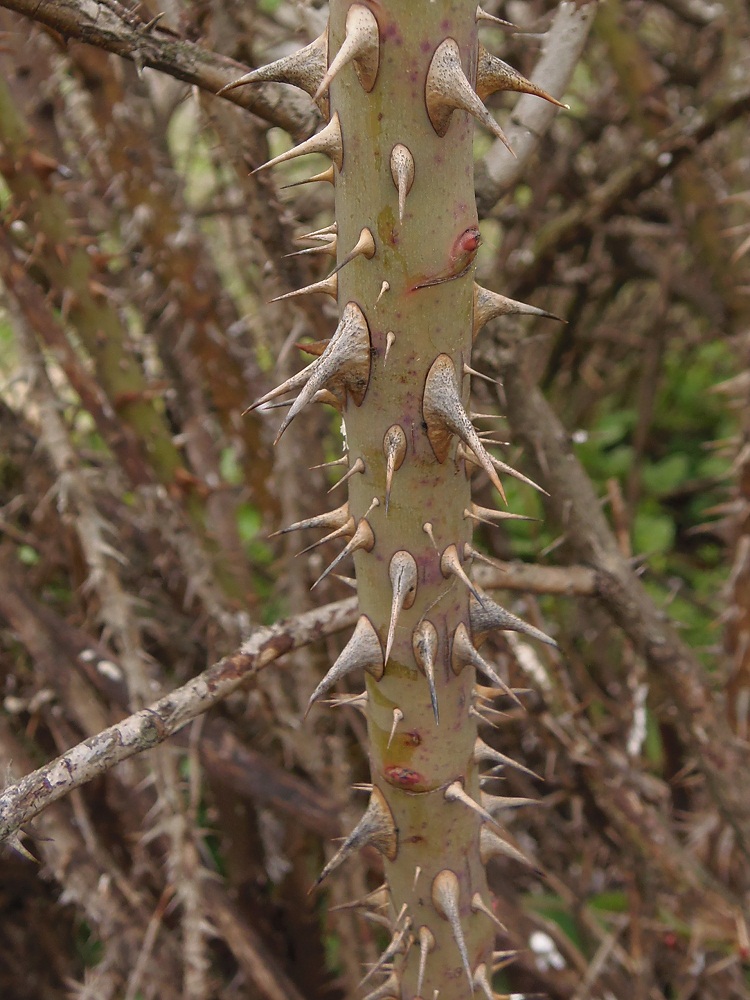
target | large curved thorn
[
  {"x": 448, "y": 89},
  {"x": 445, "y": 416},
  {"x": 304, "y": 68},
  {"x": 328, "y": 141},
  {"x": 487, "y": 616},
  {"x": 488, "y": 305},
  {"x": 361, "y": 45},
  {"x": 493, "y": 74},
  {"x": 376, "y": 827},
  {"x": 363, "y": 651}
]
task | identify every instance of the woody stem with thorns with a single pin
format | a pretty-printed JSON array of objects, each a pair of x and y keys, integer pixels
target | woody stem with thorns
[{"x": 402, "y": 86}]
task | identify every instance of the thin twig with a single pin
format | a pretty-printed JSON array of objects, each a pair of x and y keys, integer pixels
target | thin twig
[
  {"x": 25, "y": 799},
  {"x": 152, "y": 45}
]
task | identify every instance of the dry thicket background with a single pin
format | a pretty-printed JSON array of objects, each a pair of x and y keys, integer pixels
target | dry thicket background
[{"x": 137, "y": 258}]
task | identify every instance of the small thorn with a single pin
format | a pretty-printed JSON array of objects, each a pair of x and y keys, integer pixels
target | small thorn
[
  {"x": 336, "y": 463},
  {"x": 361, "y": 45},
  {"x": 478, "y": 905},
  {"x": 417, "y": 873},
  {"x": 400, "y": 942},
  {"x": 343, "y": 366},
  {"x": 398, "y": 716},
  {"x": 492, "y": 845},
  {"x": 480, "y": 978},
  {"x": 496, "y": 803},
  {"x": 326, "y": 286},
  {"x": 426, "y": 945},
  {"x": 448, "y": 89},
  {"x": 482, "y": 718},
  {"x": 358, "y": 701},
  {"x": 320, "y": 234},
  {"x": 358, "y": 467},
  {"x": 364, "y": 247},
  {"x": 493, "y": 74},
  {"x": 482, "y": 15},
  {"x": 295, "y": 382},
  {"x": 450, "y": 565},
  {"x": 363, "y": 651},
  {"x": 331, "y": 519},
  {"x": 394, "y": 449},
  {"x": 327, "y": 176},
  {"x": 427, "y": 528},
  {"x": 455, "y": 792},
  {"x": 388, "y": 990},
  {"x": 385, "y": 287},
  {"x": 390, "y": 340},
  {"x": 374, "y": 503},
  {"x": 445, "y": 416},
  {"x": 378, "y": 899},
  {"x": 502, "y": 959},
  {"x": 488, "y": 305},
  {"x": 328, "y": 141},
  {"x": 510, "y": 471},
  {"x": 490, "y": 617},
  {"x": 484, "y": 752},
  {"x": 376, "y": 828},
  {"x": 327, "y": 247},
  {"x": 345, "y": 531},
  {"x": 463, "y": 654},
  {"x": 486, "y": 515},
  {"x": 424, "y": 642},
  {"x": 476, "y": 374},
  {"x": 363, "y": 538},
  {"x": 402, "y": 172},
  {"x": 445, "y": 898},
  {"x": 304, "y": 68},
  {"x": 403, "y": 575}
]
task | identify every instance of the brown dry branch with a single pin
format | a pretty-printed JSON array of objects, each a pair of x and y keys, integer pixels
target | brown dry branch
[
  {"x": 25, "y": 799},
  {"x": 576, "y": 508},
  {"x": 116, "y": 28}
]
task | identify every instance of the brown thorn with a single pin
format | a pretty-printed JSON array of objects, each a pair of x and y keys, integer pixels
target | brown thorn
[
  {"x": 359, "y": 466},
  {"x": 424, "y": 642},
  {"x": 363, "y": 538},
  {"x": 364, "y": 247},
  {"x": 450, "y": 565},
  {"x": 488, "y": 305},
  {"x": 394, "y": 449},
  {"x": 445, "y": 416},
  {"x": 447, "y": 89},
  {"x": 455, "y": 792},
  {"x": 478, "y": 905},
  {"x": 493, "y": 74},
  {"x": 363, "y": 651},
  {"x": 403, "y": 576},
  {"x": 463, "y": 654},
  {"x": 361, "y": 45},
  {"x": 488, "y": 617},
  {"x": 331, "y": 519},
  {"x": 345, "y": 531},
  {"x": 328, "y": 141},
  {"x": 426, "y": 945},
  {"x": 304, "y": 68},
  {"x": 445, "y": 898},
  {"x": 327, "y": 176},
  {"x": 402, "y": 172},
  {"x": 398, "y": 716},
  {"x": 376, "y": 828}
]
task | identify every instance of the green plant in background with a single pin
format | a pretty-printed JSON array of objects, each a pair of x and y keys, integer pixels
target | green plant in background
[{"x": 401, "y": 85}]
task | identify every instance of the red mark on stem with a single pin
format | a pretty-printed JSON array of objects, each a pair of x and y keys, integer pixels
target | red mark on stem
[{"x": 404, "y": 777}]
